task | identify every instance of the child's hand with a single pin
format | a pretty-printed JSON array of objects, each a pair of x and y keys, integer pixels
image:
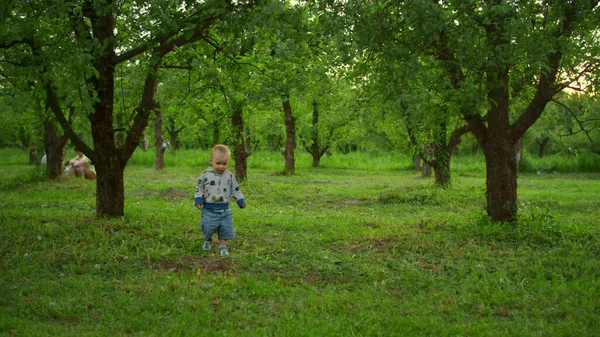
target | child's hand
[
  {"x": 243, "y": 206},
  {"x": 199, "y": 206}
]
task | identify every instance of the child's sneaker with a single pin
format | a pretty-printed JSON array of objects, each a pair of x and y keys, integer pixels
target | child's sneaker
[
  {"x": 207, "y": 245},
  {"x": 223, "y": 251}
]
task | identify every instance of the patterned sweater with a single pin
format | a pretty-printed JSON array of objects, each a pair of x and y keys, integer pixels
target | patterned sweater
[{"x": 215, "y": 191}]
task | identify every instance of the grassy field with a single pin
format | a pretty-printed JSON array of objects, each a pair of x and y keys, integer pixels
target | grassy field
[{"x": 361, "y": 247}]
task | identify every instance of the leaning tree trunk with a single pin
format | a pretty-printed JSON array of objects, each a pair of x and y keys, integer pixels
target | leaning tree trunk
[
  {"x": 158, "y": 139},
  {"x": 290, "y": 136},
  {"x": 443, "y": 152},
  {"x": 442, "y": 168},
  {"x": 53, "y": 144}
]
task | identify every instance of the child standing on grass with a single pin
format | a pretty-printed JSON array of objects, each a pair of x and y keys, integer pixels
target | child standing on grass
[{"x": 215, "y": 189}]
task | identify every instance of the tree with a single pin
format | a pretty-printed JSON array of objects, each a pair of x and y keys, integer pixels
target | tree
[
  {"x": 491, "y": 52},
  {"x": 29, "y": 124},
  {"x": 92, "y": 38},
  {"x": 287, "y": 66}
]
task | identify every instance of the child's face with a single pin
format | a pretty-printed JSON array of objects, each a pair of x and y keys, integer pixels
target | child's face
[{"x": 219, "y": 162}]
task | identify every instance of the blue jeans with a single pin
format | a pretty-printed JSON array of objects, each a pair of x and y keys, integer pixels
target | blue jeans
[{"x": 220, "y": 222}]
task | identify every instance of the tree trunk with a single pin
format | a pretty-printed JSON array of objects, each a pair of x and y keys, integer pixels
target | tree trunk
[
  {"x": 442, "y": 165},
  {"x": 33, "y": 154},
  {"x": 110, "y": 160},
  {"x": 442, "y": 171},
  {"x": 500, "y": 152},
  {"x": 216, "y": 128},
  {"x": 120, "y": 136},
  {"x": 501, "y": 180},
  {"x": 158, "y": 139},
  {"x": 426, "y": 172},
  {"x": 429, "y": 154},
  {"x": 173, "y": 133},
  {"x": 417, "y": 162},
  {"x": 519, "y": 151},
  {"x": 542, "y": 148},
  {"x": 240, "y": 154},
  {"x": 290, "y": 136},
  {"x": 174, "y": 141},
  {"x": 110, "y": 196},
  {"x": 53, "y": 145},
  {"x": 315, "y": 149}
]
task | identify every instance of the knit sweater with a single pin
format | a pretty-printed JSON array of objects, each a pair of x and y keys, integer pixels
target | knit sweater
[{"x": 215, "y": 191}]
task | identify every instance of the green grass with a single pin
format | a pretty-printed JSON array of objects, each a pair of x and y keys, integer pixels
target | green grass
[{"x": 337, "y": 251}]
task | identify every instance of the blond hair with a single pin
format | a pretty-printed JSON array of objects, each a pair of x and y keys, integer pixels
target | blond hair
[{"x": 220, "y": 149}]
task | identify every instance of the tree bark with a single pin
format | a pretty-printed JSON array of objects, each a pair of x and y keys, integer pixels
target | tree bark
[
  {"x": 501, "y": 180},
  {"x": 109, "y": 163},
  {"x": 240, "y": 154},
  {"x": 216, "y": 129},
  {"x": 315, "y": 149},
  {"x": 542, "y": 146},
  {"x": 442, "y": 172},
  {"x": 158, "y": 139},
  {"x": 33, "y": 154},
  {"x": 500, "y": 152},
  {"x": 290, "y": 136},
  {"x": 519, "y": 152},
  {"x": 54, "y": 145},
  {"x": 429, "y": 162},
  {"x": 442, "y": 165},
  {"x": 474, "y": 149},
  {"x": 417, "y": 162},
  {"x": 173, "y": 133},
  {"x": 426, "y": 172}
]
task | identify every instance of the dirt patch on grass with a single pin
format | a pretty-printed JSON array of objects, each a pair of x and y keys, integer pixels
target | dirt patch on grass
[
  {"x": 142, "y": 193},
  {"x": 172, "y": 192}
]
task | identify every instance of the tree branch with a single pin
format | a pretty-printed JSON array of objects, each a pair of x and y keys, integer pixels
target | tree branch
[
  {"x": 53, "y": 103},
  {"x": 581, "y": 127},
  {"x": 547, "y": 86}
]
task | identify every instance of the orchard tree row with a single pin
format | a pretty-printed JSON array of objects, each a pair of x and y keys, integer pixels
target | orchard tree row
[{"x": 324, "y": 76}]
